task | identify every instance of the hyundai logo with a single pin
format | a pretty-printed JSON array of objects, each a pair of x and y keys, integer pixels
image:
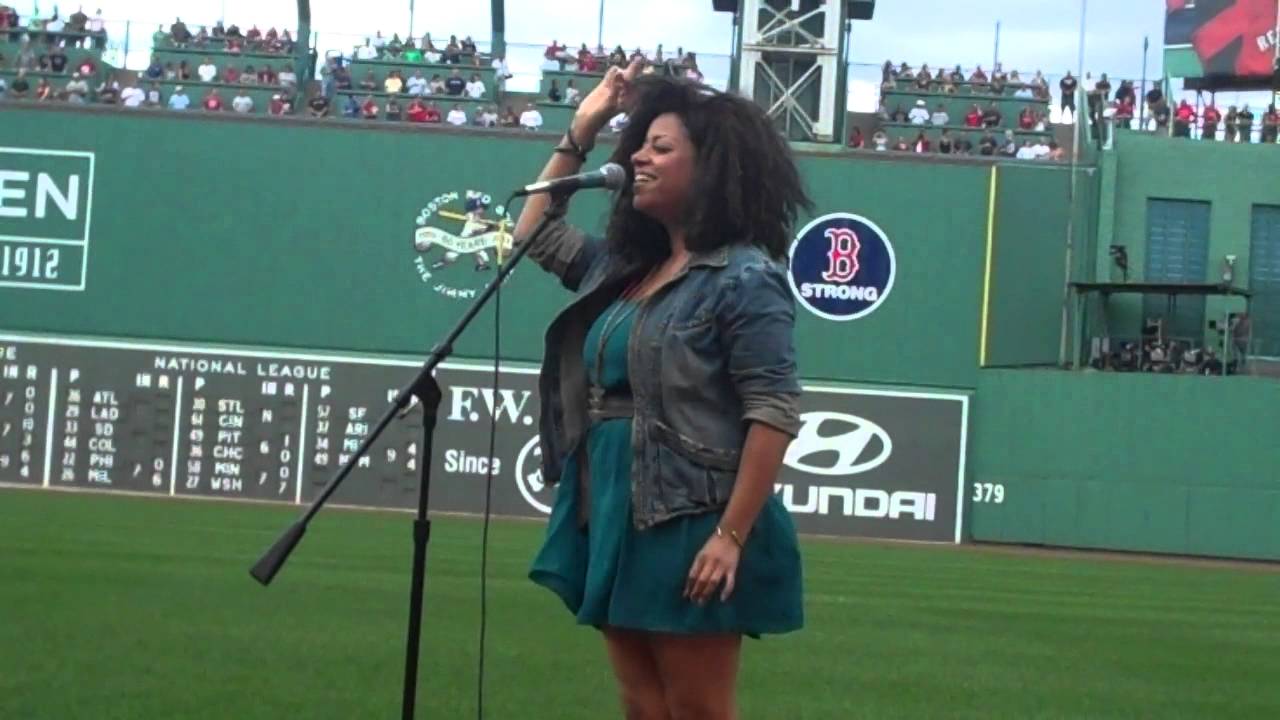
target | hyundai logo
[{"x": 831, "y": 443}]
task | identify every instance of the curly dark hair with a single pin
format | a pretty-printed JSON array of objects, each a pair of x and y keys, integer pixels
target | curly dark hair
[{"x": 746, "y": 188}]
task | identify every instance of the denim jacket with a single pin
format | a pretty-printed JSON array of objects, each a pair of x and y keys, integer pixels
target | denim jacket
[{"x": 708, "y": 352}]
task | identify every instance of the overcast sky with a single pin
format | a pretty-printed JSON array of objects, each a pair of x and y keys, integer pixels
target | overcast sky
[{"x": 1035, "y": 34}]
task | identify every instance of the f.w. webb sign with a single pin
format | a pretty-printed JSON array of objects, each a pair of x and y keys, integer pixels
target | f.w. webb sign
[{"x": 867, "y": 463}]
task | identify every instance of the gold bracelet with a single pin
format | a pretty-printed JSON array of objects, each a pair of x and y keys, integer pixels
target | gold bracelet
[{"x": 733, "y": 534}]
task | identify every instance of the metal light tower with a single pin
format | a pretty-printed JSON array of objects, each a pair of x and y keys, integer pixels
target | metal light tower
[{"x": 790, "y": 58}]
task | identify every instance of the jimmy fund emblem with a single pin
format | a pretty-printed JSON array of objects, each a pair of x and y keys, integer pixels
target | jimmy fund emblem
[{"x": 454, "y": 225}]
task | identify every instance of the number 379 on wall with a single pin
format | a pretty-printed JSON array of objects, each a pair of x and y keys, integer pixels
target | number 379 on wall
[{"x": 988, "y": 493}]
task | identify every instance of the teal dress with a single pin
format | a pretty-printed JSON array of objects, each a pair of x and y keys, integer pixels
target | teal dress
[{"x": 608, "y": 573}]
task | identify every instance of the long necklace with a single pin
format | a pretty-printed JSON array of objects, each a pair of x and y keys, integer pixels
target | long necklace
[{"x": 617, "y": 315}]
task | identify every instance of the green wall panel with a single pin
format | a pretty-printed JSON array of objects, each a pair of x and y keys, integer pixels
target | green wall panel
[
  {"x": 1154, "y": 463},
  {"x": 1228, "y": 176},
  {"x": 1035, "y": 212}
]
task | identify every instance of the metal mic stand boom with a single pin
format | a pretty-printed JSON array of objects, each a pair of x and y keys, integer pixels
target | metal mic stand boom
[{"x": 425, "y": 388}]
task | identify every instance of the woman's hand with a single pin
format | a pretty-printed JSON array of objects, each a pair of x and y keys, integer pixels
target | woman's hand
[
  {"x": 717, "y": 562},
  {"x": 604, "y": 101}
]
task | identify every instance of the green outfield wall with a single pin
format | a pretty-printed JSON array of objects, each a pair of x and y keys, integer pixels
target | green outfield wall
[{"x": 1151, "y": 463}]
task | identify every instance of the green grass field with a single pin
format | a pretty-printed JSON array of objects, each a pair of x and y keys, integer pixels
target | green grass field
[{"x": 116, "y": 607}]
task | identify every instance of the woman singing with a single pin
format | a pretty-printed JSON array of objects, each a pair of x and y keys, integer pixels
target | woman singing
[{"x": 670, "y": 393}]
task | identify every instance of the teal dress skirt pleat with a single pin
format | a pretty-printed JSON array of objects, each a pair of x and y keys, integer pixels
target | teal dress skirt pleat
[{"x": 608, "y": 573}]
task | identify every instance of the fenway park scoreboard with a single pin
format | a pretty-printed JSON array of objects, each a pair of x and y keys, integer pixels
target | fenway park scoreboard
[{"x": 276, "y": 426}]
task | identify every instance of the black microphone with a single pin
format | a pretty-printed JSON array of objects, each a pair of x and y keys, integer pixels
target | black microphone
[{"x": 609, "y": 177}]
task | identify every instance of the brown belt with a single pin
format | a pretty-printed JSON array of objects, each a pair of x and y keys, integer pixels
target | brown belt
[{"x": 608, "y": 406}]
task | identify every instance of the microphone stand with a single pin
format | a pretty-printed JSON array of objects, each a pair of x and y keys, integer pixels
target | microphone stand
[{"x": 425, "y": 388}]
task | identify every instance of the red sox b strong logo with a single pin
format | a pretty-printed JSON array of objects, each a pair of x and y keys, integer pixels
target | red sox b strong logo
[
  {"x": 842, "y": 258},
  {"x": 841, "y": 266}
]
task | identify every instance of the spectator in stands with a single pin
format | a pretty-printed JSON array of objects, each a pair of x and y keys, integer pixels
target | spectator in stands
[
  {"x": 1232, "y": 125},
  {"x": 436, "y": 86},
  {"x": 469, "y": 46},
  {"x": 452, "y": 53},
  {"x": 1009, "y": 145},
  {"x": 394, "y": 48},
  {"x": 963, "y": 146},
  {"x": 1212, "y": 118},
  {"x": 416, "y": 85},
  {"x": 919, "y": 114},
  {"x": 531, "y": 119},
  {"x": 179, "y": 100},
  {"x": 109, "y": 92},
  {"x": 987, "y": 145},
  {"x": 489, "y": 117},
  {"x": 212, "y": 101},
  {"x": 978, "y": 77},
  {"x": 1162, "y": 115},
  {"x": 44, "y": 91},
  {"x": 1068, "y": 86},
  {"x": 1026, "y": 152},
  {"x": 430, "y": 53},
  {"x": 901, "y": 145},
  {"x": 1271, "y": 125},
  {"x": 369, "y": 82},
  {"x": 475, "y": 88},
  {"x": 249, "y": 76},
  {"x": 366, "y": 51},
  {"x": 97, "y": 29},
  {"x": 288, "y": 78},
  {"x": 417, "y": 111},
  {"x": 1183, "y": 119},
  {"x": 351, "y": 108},
  {"x": 242, "y": 103},
  {"x": 154, "y": 98},
  {"x": 202, "y": 38},
  {"x": 992, "y": 117},
  {"x": 369, "y": 108},
  {"x": 179, "y": 32},
  {"x": 218, "y": 32},
  {"x": 234, "y": 43},
  {"x": 502, "y": 73},
  {"x": 924, "y": 78},
  {"x": 945, "y": 142},
  {"x": 998, "y": 82},
  {"x": 318, "y": 105},
  {"x": 20, "y": 85},
  {"x": 618, "y": 122},
  {"x": 132, "y": 96},
  {"x": 455, "y": 85},
  {"x": 899, "y": 114},
  {"x": 267, "y": 76},
  {"x": 411, "y": 52},
  {"x": 77, "y": 89},
  {"x": 880, "y": 140},
  {"x": 1244, "y": 125},
  {"x": 253, "y": 39},
  {"x": 57, "y": 60},
  {"x": 433, "y": 113},
  {"x": 392, "y": 110},
  {"x": 587, "y": 62},
  {"x": 457, "y": 117},
  {"x": 1027, "y": 118},
  {"x": 921, "y": 144},
  {"x": 341, "y": 78},
  {"x": 183, "y": 72},
  {"x": 393, "y": 83},
  {"x": 553, "y": 92},
  {"x": 509, "y": 118},
  {"x": 208, "y": 72},
  {"x": 155, "y": 70},
  {"x": 231, "y": 75},
  {"x": 973, "y": 118},
  {"x": 1123, "y": 117}
]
